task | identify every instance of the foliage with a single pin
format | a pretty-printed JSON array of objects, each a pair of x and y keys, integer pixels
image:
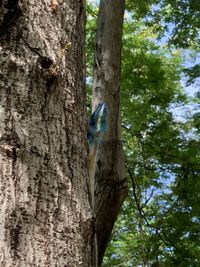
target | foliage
[
  {"x": 160, "y": 220},
  {"x": 193, "y": 74},
  {"x": 175, "y": 21},
  {"x": 180, "y": 19}
]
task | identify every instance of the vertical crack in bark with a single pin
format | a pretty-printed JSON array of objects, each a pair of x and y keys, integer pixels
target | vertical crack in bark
[
  {"x": 14, "y": 223},
  {"x": 69, "y": 147},
  {"x": 9, "y": 141}
]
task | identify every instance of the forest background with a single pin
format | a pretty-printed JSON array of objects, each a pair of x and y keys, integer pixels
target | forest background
[{"x": 160, "y": 219}]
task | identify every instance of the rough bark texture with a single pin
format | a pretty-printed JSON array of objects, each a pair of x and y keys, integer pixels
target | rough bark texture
[
  {"x": 110, "y": 182},
  {"x": 44, "y": 206}
]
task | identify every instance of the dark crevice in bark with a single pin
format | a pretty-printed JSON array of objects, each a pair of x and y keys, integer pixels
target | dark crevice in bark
[
  {"x": 10, "y": 141},
  {"x": 13, "y": 13},
  {"x": 38, "y": 182},
  {"x": 67, "y": 133},
  {"x": 14, "y": 238},
  {"x": 14, "y": 223},
  {"x": 45, "y": 62}
]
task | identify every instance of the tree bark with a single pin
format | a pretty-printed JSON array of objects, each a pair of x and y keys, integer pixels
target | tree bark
[
  {"x": 45, "y": 214},
  {"x": 110, "y": 181}
]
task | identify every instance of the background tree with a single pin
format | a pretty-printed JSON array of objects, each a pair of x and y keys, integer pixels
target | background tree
[{"x": 110, "y": 181}]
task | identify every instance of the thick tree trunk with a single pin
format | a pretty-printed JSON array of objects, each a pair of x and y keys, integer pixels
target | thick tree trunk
[
  {"x": 110, "y": 182},
  {"x": 44, "y": 204}
]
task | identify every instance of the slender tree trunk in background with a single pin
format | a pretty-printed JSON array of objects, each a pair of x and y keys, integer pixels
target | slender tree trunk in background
[
  {"x": 110, "y": 182},
  {"x": 44, "y": 208}
]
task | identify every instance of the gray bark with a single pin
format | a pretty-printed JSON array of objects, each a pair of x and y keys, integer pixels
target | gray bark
[
  {"x": 110, "y": 181},
  {"x": 45, "y": 214}
]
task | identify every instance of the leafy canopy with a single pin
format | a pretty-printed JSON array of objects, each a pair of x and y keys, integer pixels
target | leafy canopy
[{"x": 160, "y": 220}]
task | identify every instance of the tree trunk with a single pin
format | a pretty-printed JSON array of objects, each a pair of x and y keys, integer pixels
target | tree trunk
[
  {"x": 110, "y": 182},
  {"x": 45, "y": 214}
]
